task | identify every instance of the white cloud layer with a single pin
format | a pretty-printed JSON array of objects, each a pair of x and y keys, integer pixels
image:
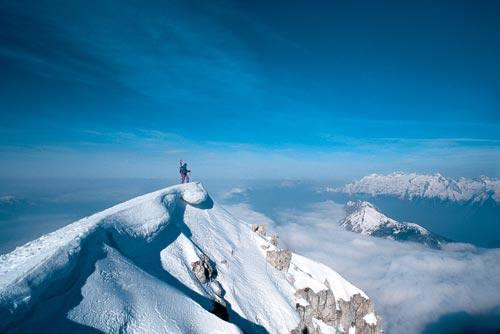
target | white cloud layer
[{"x": 410, "y": 284}]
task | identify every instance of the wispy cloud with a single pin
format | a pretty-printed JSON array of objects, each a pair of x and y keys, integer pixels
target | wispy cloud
[
  {"x": 392, "y": 143},
  {"x": 163, "y": 57},
  {"x": 168, "y": 80},
  {"x": 103, "y": 153}
]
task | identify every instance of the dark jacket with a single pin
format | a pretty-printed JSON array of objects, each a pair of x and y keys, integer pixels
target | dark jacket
[{"x": 183, "y": 170}]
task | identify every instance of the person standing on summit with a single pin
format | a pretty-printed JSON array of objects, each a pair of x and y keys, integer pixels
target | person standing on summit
[{"x": 184, "y": 172}]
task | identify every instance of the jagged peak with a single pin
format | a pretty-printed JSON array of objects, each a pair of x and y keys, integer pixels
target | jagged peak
[{"x": 363, "y": 217}]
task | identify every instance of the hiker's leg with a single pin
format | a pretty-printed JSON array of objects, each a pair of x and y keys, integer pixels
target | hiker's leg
[
  {"x": 187, "y": 178},
  {"x": 182, "y": 178}
]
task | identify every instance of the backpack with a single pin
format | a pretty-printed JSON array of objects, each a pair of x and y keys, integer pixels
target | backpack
[{"x": 183, "y": 169}]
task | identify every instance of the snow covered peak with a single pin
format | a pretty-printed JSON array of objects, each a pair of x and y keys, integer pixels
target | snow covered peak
[
  {"x": 172, "y": 261},
  {"x": 412, "y": 185},
  {"x": 7, "y": 199},
  {"x": 363, "y": 217}
]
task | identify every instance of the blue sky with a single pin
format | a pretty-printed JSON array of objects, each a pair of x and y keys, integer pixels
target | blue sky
[{"x": 326, "y": 89}]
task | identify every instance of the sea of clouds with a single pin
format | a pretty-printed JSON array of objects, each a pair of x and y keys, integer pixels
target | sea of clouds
[{"x": 411, "y": 285}]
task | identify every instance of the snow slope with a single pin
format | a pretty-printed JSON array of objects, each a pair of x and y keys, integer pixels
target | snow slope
[
  {"x": 414, "y": 185},
  {"x": 363, "y": 217},
  {"x": 171, "y": 261}
]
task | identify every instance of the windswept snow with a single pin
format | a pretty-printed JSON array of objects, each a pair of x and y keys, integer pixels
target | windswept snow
[
  {"x": 130, "y": 300},
  {"x": 130, "y": 269},
  {"x": 414, "y": 185},
  {"x": 317, "y": 276}
]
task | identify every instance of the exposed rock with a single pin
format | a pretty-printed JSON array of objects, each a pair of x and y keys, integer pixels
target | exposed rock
[
  {"x": 204, "y": 273},
  {"x": 274, "y": 240},
  {"x": 322, "y": 306},
  {"x": 279, "y": 259},
  {"x": 220, "y": 311},
  {"x": 353, "y": 312},
  {"x": 202, "y": 269},
  {"x": 259, "y": 228},
  {"x": 264, "y": 247},
  {"x": 305, "y": 325}
]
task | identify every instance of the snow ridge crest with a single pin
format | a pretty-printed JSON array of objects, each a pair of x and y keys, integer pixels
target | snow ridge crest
[{"x": 172, "y": 261}]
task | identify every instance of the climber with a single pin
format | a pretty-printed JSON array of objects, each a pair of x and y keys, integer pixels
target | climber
[{"x": 184, "y": 172}]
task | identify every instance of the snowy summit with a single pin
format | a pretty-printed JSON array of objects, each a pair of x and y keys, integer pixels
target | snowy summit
[
  {"x": 173, "y": 261},
  {"x": 414, "y": 185},
  {"x": 363, "y": 217}
]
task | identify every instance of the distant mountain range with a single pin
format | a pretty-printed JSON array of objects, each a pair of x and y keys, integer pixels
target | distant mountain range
[
  {"x": 430, "y": 186},
  {"x": 10, "y": 204},
  {"x": 7, "y": 200},
  {"x": 363, "y": 217}
]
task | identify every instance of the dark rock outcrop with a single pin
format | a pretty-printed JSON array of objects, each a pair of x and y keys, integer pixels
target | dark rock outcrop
[
  {"x": 202, "y": 269},
  {"x": 259, "y": 228},
  {"x": 279, "y": 259}
]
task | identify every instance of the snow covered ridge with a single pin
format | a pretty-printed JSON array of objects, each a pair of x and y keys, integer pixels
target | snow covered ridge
[
  {"x": 414, "y": 185},
  {"x": 173, "y": 261},
  {"x": 363, "y": 217}
]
